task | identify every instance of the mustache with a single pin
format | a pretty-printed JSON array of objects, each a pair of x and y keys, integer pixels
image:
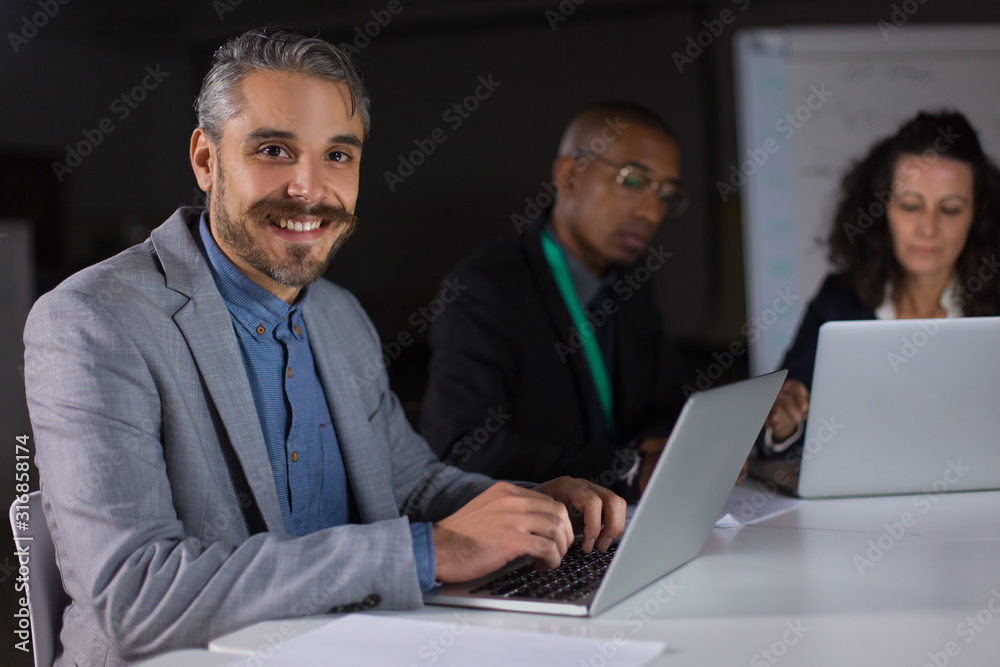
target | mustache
[{"x": 273, "y": 210}]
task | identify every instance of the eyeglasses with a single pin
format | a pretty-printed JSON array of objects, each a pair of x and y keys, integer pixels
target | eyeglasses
[{"x": 637, "y": 180}]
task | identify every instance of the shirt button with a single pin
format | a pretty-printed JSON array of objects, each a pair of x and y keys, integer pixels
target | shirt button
[
  {"x": 261, "y": 330},
  {"x": 298, "y": 331},
  {"x": 289, "y": 371},
  {"x": 295, "y": 457}
]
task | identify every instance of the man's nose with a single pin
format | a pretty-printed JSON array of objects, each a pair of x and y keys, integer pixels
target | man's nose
[{"x": 307, "y": 181}]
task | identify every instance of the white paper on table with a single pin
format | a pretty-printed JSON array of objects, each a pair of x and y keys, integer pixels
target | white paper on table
[
  {"x": 364, "y": 639},
  {"x": 753, "y": 502}
]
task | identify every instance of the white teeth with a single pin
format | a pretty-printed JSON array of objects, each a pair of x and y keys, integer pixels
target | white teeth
[{"x": 300, "y": 226}]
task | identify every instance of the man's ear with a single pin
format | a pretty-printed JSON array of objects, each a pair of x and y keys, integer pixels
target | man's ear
[
  {"x": 203, "y": 159},
  {"x": 564, "y": 174}
]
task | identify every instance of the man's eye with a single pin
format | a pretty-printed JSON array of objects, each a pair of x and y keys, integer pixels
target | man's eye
[
  {"x": 634, "y": 180},
  {"x": 273, "y": 151},
  {"x": 339, "y": 156}
]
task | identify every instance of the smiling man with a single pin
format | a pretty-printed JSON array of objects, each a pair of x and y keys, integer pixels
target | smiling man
[
  {"x": 206, "y": 462},
  {"x": 558, "y": 331}
]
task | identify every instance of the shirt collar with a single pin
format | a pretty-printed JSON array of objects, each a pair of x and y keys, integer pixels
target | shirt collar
[
  {"x": 950, "y": 302},
  {"x": 256, "y": 309}
]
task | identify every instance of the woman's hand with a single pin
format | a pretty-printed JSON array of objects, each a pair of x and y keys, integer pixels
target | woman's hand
[{"x": 790, "y": 408}]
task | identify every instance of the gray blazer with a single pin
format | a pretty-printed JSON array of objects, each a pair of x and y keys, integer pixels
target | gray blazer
[{"x": 155, "y": 478}]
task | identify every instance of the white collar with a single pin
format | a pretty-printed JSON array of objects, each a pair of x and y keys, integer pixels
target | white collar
[{"x": 950, "y": 302}]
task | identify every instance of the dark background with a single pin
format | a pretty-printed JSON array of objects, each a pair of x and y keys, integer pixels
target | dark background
[{"x": 63, "y": 80}]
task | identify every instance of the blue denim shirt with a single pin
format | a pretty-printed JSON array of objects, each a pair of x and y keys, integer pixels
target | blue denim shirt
[{"x": 313, "y": 488}]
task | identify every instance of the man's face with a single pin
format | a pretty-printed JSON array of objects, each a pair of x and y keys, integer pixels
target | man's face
[
  {"x": 607, "y": 223},
  {"x": 284, "y": 179}
]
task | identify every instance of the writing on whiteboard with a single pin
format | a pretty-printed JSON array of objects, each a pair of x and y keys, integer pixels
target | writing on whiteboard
[{"x": 787, "y": 125}]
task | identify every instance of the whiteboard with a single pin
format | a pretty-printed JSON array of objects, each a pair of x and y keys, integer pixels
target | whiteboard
[{"x": 844, "y": 88}]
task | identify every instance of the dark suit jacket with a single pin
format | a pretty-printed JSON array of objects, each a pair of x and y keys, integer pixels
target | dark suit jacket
[
  {"x": 503, "y": 400},
  {"x": 835, "y": 301}
]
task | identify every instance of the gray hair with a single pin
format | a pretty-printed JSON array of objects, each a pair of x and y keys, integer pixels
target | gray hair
[{"x": 272, "y": 49}]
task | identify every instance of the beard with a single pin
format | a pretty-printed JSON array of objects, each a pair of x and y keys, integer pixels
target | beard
[{"x": 297, "y": 269}]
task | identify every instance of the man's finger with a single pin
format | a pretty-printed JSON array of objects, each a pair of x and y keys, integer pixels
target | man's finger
[
  {"x": 614, "y": 517},
  {"x": 592, "y": 520}
]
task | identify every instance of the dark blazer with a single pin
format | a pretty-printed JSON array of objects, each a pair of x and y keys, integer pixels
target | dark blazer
[
  {"x": 503, "y": 399},
  {"x": 836, "y": 300}
]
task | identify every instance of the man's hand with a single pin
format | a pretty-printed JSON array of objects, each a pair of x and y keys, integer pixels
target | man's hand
[
  {"x": 603, "y": 510},
  {"x": 507, "y": 521},
  {"x": 497, "y": 526},
  {"x": 790, "y": 408}
]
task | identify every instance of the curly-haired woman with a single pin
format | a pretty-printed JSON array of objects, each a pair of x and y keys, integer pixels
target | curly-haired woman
[{"x": 915, "y": 235}]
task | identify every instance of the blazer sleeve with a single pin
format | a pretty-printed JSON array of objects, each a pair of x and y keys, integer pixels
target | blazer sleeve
[
  {"x": 834, "y": 301},
  {"x": 124, "y": 553}
]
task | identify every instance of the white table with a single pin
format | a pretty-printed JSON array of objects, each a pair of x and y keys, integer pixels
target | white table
[
  {"x": 191, "y": 658},
  {"x": 804, "y": 588}
]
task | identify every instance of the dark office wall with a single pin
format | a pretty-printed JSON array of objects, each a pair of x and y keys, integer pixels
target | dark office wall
[
  {"x": 464, "y": 193},
  {"x": 469, "y": 188}
]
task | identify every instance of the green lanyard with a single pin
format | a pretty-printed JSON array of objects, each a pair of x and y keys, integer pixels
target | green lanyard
[{"x": 591, "y": 352}]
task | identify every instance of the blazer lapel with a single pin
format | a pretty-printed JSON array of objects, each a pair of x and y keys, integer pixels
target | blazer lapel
[
  {"x": 205, "y": 323},
  {"x": 370, "y": 481}
]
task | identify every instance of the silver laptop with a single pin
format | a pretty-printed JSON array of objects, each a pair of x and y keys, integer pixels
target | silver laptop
[
  {"x": 686, "y": 492},
  {"x": 903, "y": 406}
]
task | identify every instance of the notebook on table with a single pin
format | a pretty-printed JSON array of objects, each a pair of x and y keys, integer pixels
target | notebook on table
[{"x": 689, "y": 485}]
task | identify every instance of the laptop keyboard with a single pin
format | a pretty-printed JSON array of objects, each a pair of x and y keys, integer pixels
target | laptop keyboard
[{"x": 579, "y": 575}]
